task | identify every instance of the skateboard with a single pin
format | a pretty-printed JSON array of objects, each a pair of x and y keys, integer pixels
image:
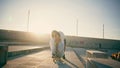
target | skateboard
[{"x": 58, "y": 60}]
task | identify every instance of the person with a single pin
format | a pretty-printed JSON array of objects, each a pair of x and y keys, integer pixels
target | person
[{"x": 57, "y": 46}]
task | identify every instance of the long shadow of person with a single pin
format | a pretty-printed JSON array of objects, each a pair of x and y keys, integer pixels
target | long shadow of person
[
  {"x": 71, "y": 63},
  {"x": 65, "y": 65}
]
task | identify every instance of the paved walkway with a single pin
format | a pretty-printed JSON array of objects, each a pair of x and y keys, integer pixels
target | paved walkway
[{"x": 43, "y": 60}]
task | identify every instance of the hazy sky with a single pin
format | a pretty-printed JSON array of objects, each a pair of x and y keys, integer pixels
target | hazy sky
[{"x": 48, "y": 15}]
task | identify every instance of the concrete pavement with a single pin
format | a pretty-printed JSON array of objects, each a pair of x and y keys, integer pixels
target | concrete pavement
[{"x": 43, "y": 59}]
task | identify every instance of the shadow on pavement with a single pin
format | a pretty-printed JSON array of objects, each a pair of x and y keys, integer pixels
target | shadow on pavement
[
  {"x": 71, "y": 63},
  {"x": 65, "y": 65}
]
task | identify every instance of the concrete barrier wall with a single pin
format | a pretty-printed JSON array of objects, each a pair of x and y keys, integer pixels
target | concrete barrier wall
[
  {"x": 92, "y": 42},
  {"x": 20, "y": 36},
  {"x": 74, "y": 41}
]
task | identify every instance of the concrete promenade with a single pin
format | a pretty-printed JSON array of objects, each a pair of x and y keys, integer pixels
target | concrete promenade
[{"x": 43, "y": 59}]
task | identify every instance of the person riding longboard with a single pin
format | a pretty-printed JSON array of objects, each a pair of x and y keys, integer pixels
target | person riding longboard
[{"x": 57, "y": 46}]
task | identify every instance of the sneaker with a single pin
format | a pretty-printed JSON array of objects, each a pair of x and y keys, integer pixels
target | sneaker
[
  {"x": 64, "y": 57},
  {"x": 54, "y": 60}
]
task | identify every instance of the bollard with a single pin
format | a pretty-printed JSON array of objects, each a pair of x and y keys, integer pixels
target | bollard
[{"x": 3, "y": 55}]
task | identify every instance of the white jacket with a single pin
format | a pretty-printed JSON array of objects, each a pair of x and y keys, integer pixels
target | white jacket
[{"x": 60, "y": 46}]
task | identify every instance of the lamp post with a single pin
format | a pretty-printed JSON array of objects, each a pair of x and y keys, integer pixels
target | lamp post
[
  {"x": 103, "y": 31},
  {"x": 77, "y": 27},
  {"x": 28, "y": 22}
]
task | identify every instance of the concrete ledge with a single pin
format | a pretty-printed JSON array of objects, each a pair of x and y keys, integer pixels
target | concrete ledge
[
  {"x": 96, "y": 54},
  {"x": 24, "y": 52},
  {"x": 102, "y": 63}
]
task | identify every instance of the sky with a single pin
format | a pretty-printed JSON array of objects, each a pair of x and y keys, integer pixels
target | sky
[{"x": 62, "y": 15}]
